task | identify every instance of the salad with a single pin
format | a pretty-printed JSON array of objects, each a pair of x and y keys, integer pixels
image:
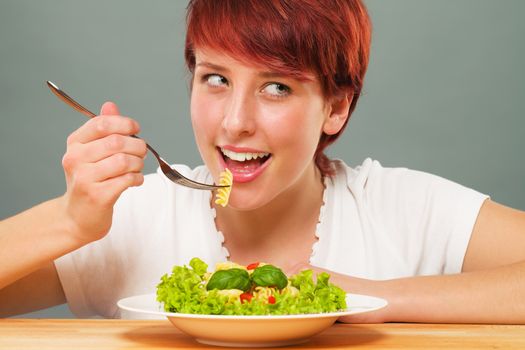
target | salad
[{"x": 256, "y": 289}]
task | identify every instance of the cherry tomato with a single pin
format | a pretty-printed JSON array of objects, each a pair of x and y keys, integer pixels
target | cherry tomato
[
  {"x": 252, "y": 266},
  {"x": 245, "y": 297},
  {"x": 271, "y": 299}
]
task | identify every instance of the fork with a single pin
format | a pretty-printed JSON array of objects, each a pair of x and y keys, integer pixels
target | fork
[{"x": 170, "y": 173}]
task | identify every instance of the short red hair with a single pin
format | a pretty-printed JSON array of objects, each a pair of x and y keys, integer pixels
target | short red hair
[{"x": 330, "y": 38}]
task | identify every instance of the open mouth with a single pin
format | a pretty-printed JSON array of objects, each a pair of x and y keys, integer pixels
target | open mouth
[{"x": 245, "y": 166}]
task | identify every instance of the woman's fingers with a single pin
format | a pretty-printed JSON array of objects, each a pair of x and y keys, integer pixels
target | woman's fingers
[
  {"x": 102, "y": 148},
  {"x": 107, "y": 123},
  {"x": 102, "y": 137},
  {"x": 112, "y": 188},
  {"x": 87, "y": 178},
  {"x": 102, "y": 126},
  {"x": 109, "y": 108},
  {"x": 114, "y": 166},
  {"x": 103, "y": 194}
]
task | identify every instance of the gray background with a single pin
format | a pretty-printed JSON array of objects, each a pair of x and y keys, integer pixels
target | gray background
[{"x": 444, "y": 92}]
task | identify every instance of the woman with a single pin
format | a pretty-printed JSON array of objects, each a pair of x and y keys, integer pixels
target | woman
[{"x": 273, "y": 84}]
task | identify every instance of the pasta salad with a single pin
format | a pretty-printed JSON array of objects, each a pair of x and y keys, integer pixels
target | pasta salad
[{"x": 255, "y": 289}]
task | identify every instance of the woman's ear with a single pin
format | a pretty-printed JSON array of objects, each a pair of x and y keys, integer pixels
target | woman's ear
[{"x": 338, "y": 108}]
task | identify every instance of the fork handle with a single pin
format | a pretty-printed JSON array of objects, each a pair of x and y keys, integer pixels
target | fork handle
[{"x": 68, "y": 100}]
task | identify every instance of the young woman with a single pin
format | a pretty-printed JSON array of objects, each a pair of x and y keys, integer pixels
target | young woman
[{"x": 273, "y": 84}]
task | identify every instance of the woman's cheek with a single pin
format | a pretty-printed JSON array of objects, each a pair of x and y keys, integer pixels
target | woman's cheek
[{"x": 202, "y": 117}]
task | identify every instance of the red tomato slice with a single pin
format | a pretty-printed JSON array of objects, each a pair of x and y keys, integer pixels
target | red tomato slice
[
  {"x": 245, "y": 297},
  {"x": 252, "y": 266}
]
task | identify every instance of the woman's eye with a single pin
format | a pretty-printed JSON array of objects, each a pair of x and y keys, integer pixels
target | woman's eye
[
  {"x": 215, "y": 80},
  {"x": 277, "y": 90}
]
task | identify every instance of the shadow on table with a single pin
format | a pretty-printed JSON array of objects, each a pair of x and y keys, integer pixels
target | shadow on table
[
  {"x": 339, "y": 335},
  {"x": 343, "y": 335},
  {"x": 161, "y": 336}
]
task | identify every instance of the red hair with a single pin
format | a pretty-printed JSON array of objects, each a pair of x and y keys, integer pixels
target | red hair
[{"x": 330, "y": 38}]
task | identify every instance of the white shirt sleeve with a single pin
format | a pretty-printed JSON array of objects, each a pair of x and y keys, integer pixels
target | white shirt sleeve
[{"x": 431, "y": 218}]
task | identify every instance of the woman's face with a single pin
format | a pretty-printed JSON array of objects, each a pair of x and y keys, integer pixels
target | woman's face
[{"x": 261, "y": 125}]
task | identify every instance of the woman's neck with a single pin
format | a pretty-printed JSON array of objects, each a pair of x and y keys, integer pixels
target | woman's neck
[{"x": 284, "y": 226}]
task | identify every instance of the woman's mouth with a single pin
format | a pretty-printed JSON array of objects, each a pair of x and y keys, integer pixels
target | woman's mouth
[{"x": 245, "y": 164}]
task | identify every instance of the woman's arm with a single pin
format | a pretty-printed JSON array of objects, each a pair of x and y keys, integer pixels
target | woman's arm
[
  {"x": 38, "y": 290},
  {"x": 489, "y": 290},
  {"x": 101, "y": 161},
  {"x": 33, "y": 238}
]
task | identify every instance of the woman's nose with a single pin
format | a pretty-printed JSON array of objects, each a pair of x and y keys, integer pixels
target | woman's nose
[{"x": 238, "y": 119}]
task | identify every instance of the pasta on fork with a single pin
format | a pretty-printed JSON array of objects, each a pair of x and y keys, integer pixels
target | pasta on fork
[{"x": 223, "y": 193}]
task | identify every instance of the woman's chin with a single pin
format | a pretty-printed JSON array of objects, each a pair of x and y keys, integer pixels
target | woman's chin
[{"x": 244, "y": 203}]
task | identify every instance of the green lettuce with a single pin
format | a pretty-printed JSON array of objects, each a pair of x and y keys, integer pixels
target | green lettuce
[{"x": 185, "y": 291}]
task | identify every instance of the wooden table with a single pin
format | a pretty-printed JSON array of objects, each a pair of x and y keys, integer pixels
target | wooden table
[{"x": 46, "y": 334}]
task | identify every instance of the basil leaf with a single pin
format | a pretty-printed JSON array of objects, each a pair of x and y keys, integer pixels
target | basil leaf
[
  {"x": 230, "y": 279},
  {"x": 269, "y": 275}
]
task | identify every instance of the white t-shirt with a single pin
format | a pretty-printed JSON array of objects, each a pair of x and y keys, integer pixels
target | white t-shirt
[{"x": 376, "y": 223}]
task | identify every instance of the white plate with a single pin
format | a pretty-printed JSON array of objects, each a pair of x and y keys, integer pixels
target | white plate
[{"x": 251, "y": 331}]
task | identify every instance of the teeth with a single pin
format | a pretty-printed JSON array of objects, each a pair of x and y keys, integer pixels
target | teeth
[{"x": 242, "y": 156}]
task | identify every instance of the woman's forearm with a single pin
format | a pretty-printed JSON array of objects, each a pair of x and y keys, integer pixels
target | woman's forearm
[
  {"x": 33, "y": 238},
  {"x": 488, "y": 296}
]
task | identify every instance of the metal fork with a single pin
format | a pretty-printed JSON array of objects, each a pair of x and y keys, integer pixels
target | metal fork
[{"x": 170, "y": 173}]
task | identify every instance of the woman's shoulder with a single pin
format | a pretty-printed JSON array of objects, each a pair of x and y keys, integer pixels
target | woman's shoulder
[
  {"x": 368, "y": 173},
  {"x": 371, "y": 178},
  {"x": 368, "y": 168}
]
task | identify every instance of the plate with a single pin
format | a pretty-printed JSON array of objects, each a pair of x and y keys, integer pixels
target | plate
[{"x": 250, "y": 331}]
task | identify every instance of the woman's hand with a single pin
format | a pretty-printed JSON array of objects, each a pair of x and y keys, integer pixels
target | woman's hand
[
  {"x": 352, "y": 285},
  {"x": 101, "y": 162}
]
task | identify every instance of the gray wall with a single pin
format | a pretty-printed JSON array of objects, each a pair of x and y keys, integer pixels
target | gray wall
[{"x": 444, "y": 92}]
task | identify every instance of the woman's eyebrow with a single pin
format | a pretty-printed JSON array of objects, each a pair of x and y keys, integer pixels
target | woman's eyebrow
[
  {"x": 212, "y": 66},
  {"x": 270, "y": 74},
  {"x": 301, "y": 76}
]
